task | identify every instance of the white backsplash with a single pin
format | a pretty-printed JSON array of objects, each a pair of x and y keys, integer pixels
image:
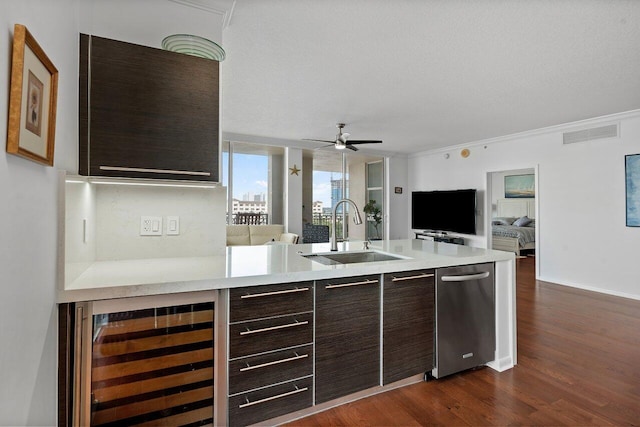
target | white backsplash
[{"x": 113, "y": 216}]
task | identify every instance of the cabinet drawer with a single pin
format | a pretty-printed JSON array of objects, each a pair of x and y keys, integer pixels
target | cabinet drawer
[
  {"x": 270, "y": 402},
  {"x": 410, "y": 278},
  {"x": 267, "y": 301},
  {"x": 260, "y": 336},
  {"x": 260, "y": 371}
]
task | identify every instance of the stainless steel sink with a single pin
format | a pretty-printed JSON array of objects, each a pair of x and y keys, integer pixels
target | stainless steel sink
[{"x": 334, "y": 258}]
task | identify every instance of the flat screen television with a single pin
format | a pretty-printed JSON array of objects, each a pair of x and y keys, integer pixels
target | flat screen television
[{"x": 449, "y": 210}]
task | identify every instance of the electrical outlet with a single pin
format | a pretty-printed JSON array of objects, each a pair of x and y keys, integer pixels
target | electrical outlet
[
  {"x": 151, "y": 226},
  {"x": 173, "y": 225}
]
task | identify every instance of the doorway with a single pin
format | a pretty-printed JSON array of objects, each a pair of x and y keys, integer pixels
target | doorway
[{"x": 511, "y": 195}]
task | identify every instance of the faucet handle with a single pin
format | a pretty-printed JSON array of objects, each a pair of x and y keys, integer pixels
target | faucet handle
[{"x": 365, "y": 244}]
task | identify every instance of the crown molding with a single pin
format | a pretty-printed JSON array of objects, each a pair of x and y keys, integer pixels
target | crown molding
[
  {"x": 222, "y": 8},
  {"x": 579, "y": 124}
]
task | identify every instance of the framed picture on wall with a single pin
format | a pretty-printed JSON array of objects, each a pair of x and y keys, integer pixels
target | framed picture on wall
[
  {"x": 32, "y": 100},
  {"x": 632, "y": 181},
  {"x": 519, "y": 186}
]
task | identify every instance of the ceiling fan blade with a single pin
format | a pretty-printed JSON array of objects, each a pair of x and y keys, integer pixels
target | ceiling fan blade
[
  {"x": 363, "y": 141},
  {"x": 351, "y": 148},
  {"x": 319, "y": 140},
  {"x": 344, "y": 136}
]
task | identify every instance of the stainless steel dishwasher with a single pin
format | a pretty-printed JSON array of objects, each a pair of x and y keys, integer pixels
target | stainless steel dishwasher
[{"x": 465, "y": 318}]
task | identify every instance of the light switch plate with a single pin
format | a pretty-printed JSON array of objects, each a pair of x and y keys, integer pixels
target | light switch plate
[
  {"x": 151, "y": 226},
  {"x": 173, "y": 225}
]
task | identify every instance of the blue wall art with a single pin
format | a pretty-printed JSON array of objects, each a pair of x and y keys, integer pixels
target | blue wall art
[
  {"x": 519, "y": 186},
  {"x": 632, "y": 175}
]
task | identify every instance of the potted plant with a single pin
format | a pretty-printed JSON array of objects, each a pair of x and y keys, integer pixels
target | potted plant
[{"x": 374, "y": 214}]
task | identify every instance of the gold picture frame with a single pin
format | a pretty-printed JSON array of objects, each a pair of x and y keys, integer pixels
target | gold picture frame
[{"x": 32, "y": 100}]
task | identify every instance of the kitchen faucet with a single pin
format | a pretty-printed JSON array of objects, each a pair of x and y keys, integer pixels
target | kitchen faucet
[{"x": 356, "y": 219}]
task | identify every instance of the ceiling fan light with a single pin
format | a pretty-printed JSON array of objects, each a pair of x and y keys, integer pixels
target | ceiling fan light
[{"x": 340, "y": 145}]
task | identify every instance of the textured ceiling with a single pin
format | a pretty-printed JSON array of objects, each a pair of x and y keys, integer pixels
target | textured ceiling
[{"x": 426, "y": 74}]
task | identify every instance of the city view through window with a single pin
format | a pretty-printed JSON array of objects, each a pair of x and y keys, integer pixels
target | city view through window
[
  {"x": 255, "y": 178},
  {"x": 251, "y": 187}
]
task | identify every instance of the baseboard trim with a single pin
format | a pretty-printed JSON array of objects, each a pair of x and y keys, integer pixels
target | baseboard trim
[
  {"x": 589, "y": 288},
  {"x": 501, "y": 365}
]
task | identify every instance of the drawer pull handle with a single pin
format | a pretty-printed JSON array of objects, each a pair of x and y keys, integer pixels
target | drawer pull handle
[
  {"x": 344, "y": 285},
  {"x": 273, "y": 328},
  {"x": 419, "y": 276},
  {"x": 266, "y": 294},
  {"x": 276, "y": 362},
  {"x": 147, "y": 170},
  {"x": 267, "y": 399},
  {"x": 465, "y": 277}
]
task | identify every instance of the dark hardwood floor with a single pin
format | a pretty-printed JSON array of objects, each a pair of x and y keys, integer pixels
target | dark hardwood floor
[{"x": 578, "y": 364}]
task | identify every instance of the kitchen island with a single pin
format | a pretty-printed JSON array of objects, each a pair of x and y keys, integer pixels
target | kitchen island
[{"x": 288, "y": 278}]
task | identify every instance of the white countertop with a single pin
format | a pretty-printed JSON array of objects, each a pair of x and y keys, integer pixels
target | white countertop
[{"x": 255, "y": 265}]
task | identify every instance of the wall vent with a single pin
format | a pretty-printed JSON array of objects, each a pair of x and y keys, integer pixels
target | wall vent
[{"x": 609, "y": 131}]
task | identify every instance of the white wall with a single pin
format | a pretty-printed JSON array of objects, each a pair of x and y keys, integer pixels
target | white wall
[
  {"x": 357, "y": 192},
  {"x": 28, "y": 191},
  {"x": 28, "y": 213},
  {"x": 398, "y": 213},
  {"x": 581, "y": 194},
  {"x": 293, "y": 191}
]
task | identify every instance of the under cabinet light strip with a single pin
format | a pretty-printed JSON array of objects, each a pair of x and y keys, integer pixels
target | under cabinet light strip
[
  {"x": 140, "y": 182},
  {"x": 151, "y": 184}
]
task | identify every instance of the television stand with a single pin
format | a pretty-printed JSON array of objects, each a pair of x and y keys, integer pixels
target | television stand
[{"x": 439, "y": 237}]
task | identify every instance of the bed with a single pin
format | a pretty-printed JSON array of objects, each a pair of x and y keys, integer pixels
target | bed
[{"x": 510, "y": 233}]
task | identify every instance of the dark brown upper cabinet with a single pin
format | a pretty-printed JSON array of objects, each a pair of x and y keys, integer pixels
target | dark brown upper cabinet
[{"x": 146, "y": 112}]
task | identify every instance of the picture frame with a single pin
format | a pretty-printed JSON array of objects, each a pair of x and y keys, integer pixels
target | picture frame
[
  {"x": 632, "y": 189},
  {"x": 32, "y": 100},
  {"x": 519, "y": 186}
]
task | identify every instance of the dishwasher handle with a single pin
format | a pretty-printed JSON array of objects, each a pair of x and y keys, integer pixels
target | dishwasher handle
[{"x": 465, "y": 277}]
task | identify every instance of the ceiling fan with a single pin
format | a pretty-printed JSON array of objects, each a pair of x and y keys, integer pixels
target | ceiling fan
[{"x": 342, "y": 140}]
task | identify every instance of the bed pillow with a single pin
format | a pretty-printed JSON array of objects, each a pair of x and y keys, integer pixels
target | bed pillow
[
  {"x": 522, "y": 221},
  {"x": 502, "y": 220},
  {"x": 532, "y": 223}
]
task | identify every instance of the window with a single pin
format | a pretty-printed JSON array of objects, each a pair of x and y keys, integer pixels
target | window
[{"x": 253, "y": 175}]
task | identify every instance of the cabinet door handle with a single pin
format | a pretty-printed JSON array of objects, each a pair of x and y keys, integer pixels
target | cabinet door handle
[
  {"x": 344, "y": 285},
  {"x": 267, "y": 399},
  {"x": 266, "y": 294},
  {"x": 276, "y": 362},
  {"x": 273, "y": 328},
  {"x": 419, "y": 276},
  {"x": 465, "y": 277},
  {"x": 148, "y": 170}
]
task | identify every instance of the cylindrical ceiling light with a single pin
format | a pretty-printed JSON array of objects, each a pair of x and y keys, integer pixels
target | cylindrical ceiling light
[{"x": 194, "y": 45}]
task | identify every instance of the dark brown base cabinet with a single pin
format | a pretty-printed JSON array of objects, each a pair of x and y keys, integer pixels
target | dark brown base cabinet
[
  {"x": 347, "y": 336},
  {"x": 146, "y": 112},
  {"x": 270, "y": 366},
  {"x": 408, "y": 324},
  {"x": 286, "y": 344}
]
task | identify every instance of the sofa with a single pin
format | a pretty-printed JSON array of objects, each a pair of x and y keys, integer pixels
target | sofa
[{"x": 244, "y": 234}]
